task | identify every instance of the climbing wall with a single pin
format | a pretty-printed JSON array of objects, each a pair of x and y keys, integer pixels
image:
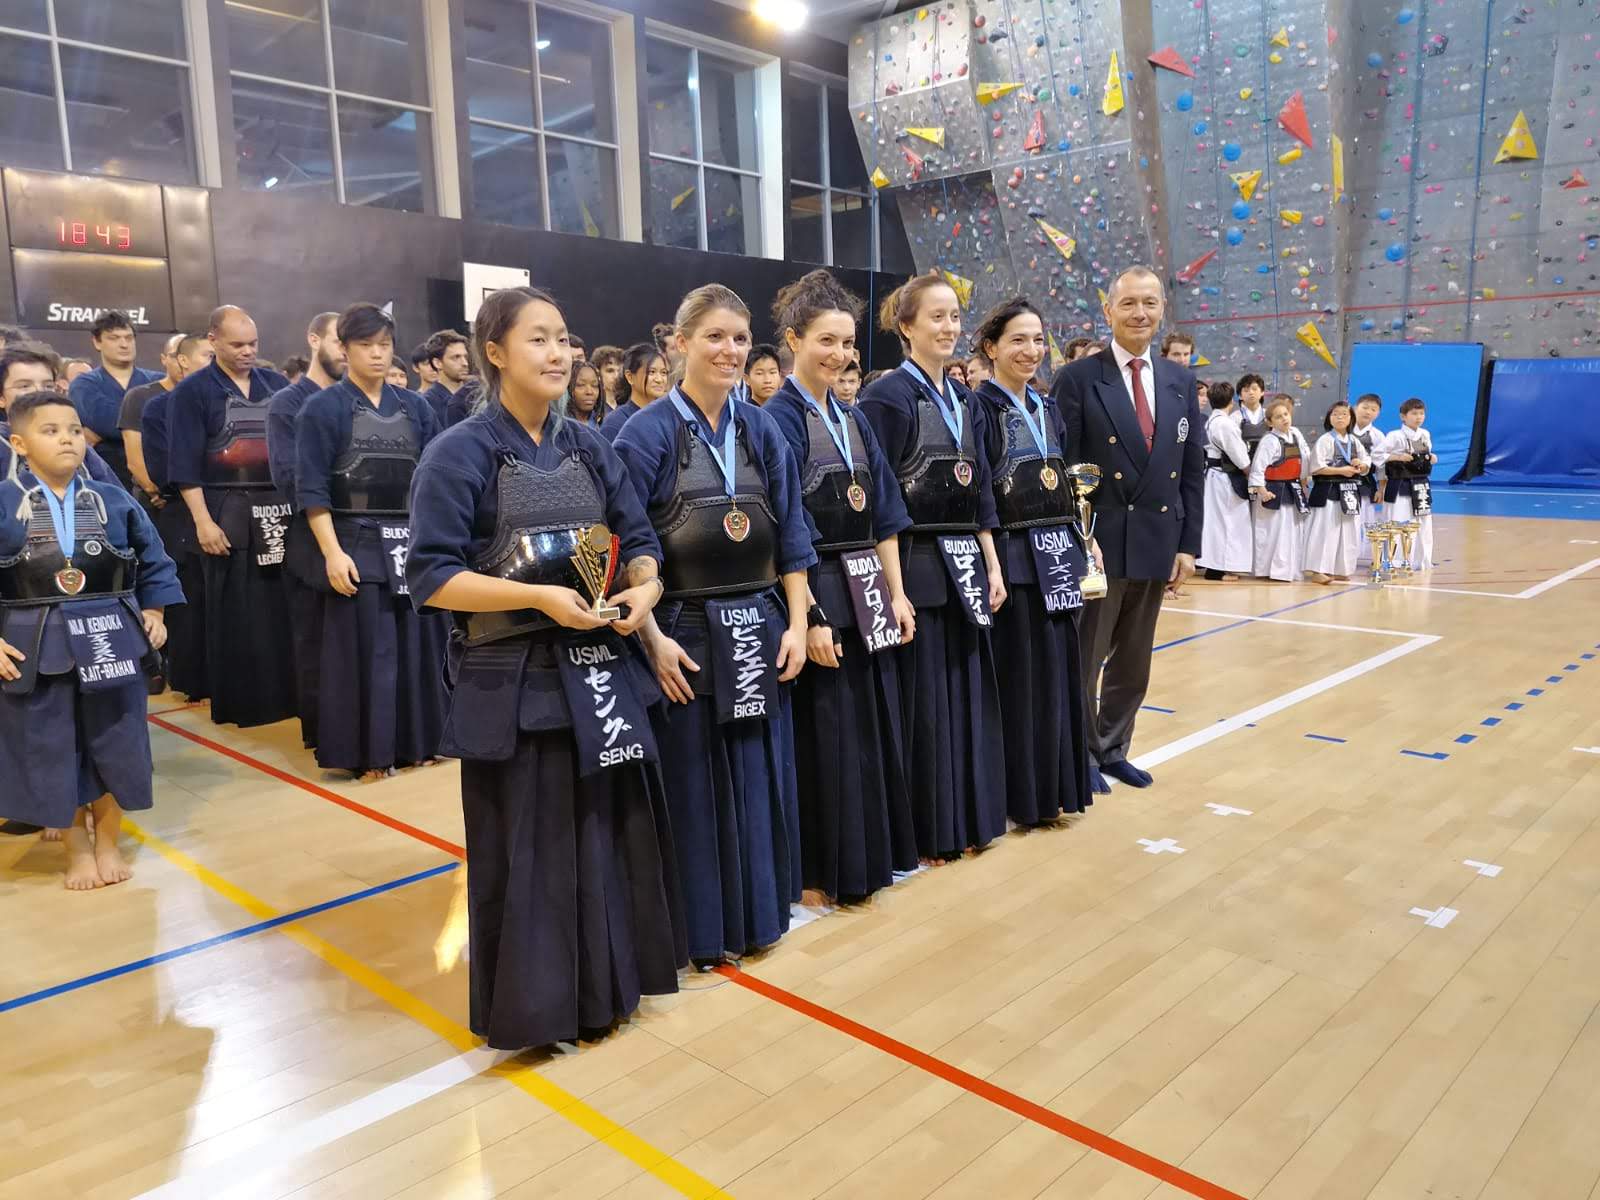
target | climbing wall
[
  {"x": 1305, "y": 173},
  {"x": 1001, "y": 129}
]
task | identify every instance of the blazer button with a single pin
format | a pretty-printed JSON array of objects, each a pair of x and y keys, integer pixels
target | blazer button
[
  {"x": 1174, "y": 474},
  {"x": 1163, "y": 507},
  {"x": 1130, "y": 508},
  {"x": 1113, "y": 441},
  {"x": 1116, "y": 475}
]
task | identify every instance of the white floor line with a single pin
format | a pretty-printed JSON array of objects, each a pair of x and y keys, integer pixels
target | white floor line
[
  {"x": 1206, "y": 612},
  {"x": 274, "y": 1145},
  {"x": 1527, "y": 593},
  {"x": 1277, "y": 704}
]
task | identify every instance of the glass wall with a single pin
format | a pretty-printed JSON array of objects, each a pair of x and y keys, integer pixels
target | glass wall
[
  {"x": 330, "y": 100},
  {"x": 96, "y": 87},
  {"x": 831, "y": 205},
  {"x": 703, "y": 124},
  {"x": 541, "y": 113}
]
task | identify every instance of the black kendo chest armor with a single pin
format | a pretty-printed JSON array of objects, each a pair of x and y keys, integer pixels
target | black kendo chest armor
[
  {"x": 1418, "y": 468},
  {"x": 935, "y": 498},
  {"x": 701, "y": 559},
  {"x": 539, "y": 537},
  {"x": 1252, "y": 434},
  {"x": 825, "y": 483},
  {"x": 42, "y": 574},
  {"x": 373, "y": 475},
  {"x": 1219, "y": 459},
  {"x": 237, "y": 456},
  {"x": 1020, "y": 495}
]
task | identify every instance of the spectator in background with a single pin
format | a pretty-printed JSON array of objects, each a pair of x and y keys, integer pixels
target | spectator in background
[
  {"x": 10, "y": 335},
  {"x": 397, "y": 376},
  {"x": 976, "y": 371},
  {"x": 579, "y": 354},
  {"x": 446, "y": 354},
  {"x": 1076, "y": 347},
  {"x": 98, "y": 393},
  {"x": 957, "y": 370},
  {"x": 763, "y": 373},
  {"x": 1178, "y": 348},
  {"x": 71, "y": 369},
  {"x": 583, "y": 394},
  {"x": 422, "y": 364},
  {"x": 608, "y": 361},
  {"x": 294, "y": 367},
  {"x": 131, "y": 414},
  {"x": 872, "y": 377},
  {"x": 848, "y": 384}
]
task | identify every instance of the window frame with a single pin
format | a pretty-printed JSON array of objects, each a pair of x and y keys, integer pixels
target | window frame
[
  {"x": 825, "y": 187},
  {"x": 606, "y": 21},
  {"x": 428, "y": 156},
  {"x": 55, "y": 41}
]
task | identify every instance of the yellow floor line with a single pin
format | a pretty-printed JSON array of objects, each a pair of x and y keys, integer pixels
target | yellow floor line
[{"x": 560, "y": 1101}]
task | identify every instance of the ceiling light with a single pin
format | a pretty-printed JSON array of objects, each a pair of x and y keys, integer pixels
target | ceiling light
[
  {"x": 272, "y": 181},
  {"x": 787, "y": 15},
  {"x": 542, "y": 44}
]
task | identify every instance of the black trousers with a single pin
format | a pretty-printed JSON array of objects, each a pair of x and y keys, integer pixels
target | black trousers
[{"x": 1120, "y": 632}]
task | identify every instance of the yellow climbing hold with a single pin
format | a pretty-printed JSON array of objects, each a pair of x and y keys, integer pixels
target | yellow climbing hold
[
  {"x": 677, "y": 201},
  {"x": 1291, "y": 216},
  {"x": 1245, "y": 93},
  {"x": 928, "y": 133},
  {"x": 1519, "y": 142},
  {"x": 990, "y": 92},
  {"x": 1057, "y": 358},
  {"x": 1246, "y": 182},
  {"x": 1274, "y": 58},
  {"x": 1336, "y": 148},
  {"x": 1281, "y": 38},
  {"x": 1112, "y": 103},
  {"x": 1312, "y": 337},
  {"x": 1200, "y": 360},
  {"x": 961, "y": 285},
  {"x": 1292, "y": 154},
  {"x": 1058, "y": 239},
  {"x": 879, "y": 179}
]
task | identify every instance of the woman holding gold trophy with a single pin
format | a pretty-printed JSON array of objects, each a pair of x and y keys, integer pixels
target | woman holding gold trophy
[
  {"x": 525, "y": 526},
  {"x": 1036, "y": 633}
]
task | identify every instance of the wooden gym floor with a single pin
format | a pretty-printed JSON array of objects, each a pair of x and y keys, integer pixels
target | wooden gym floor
[{"x": 1347, "y": 946}]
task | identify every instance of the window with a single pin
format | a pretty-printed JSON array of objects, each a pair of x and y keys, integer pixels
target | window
[
  {"x": 705, "y": 149},
  {"x": 330, "y": 100},
  {"x": 97, "y": 88},
  {"x": 541, "y": 113},
  {"x": 831, "y": 206}
]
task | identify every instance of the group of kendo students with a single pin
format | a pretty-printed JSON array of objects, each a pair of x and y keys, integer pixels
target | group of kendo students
[
  {"x": 1278, "y": 508},
  {"x": 734, "y": 648}
]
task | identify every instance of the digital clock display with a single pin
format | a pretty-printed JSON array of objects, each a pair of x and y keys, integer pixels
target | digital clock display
[{"x": 84, "y": 215}]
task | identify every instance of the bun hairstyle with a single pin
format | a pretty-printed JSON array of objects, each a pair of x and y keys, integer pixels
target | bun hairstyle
[
  {"x": 638, "y": 358},
  {"x": 798, "y": 304},
  {"x": 496, "y": 317},
  {"x": 702, "y": 302},
  {"x": 900, "y": 307},
  {"x": 995, "y": 322}
]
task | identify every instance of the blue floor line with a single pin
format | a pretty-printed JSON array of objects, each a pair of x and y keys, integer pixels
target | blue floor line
[
  {"x": 1435, "y": 755},
  {"x": 195, "y": 948},
  {"x": 1249, "y": 620},
  {"x": 1157, "y": 708},
  {"x": 1322, "y": 737}
]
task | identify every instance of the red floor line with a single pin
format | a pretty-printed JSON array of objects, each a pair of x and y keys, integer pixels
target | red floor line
[
  {"x": 1027, "y": 1109},
  {"x": 305, "y": 785},
  {"x": 161, "y": 712}
]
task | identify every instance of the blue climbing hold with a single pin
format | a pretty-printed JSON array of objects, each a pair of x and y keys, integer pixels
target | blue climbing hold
[
  {"x": 1374, "y": 60},
  {"x": 1241, "y": 210},
  {"x": 1264, "y": 269},
  {"x": 1368, "y": 325},
  {"x": 1559, "y": 280},
  {"x": 1231, "y": 151},
  {"x": 1395, "y": 251},
  {"x": 1199, "y": 128},
  {"x": 1073, "y": 89},
  {"x": 1385, "y": 214},
  {"x": 1398, "y": 323},
  {"x": 1144, "y": 162},
  {"x": 1184, "y": 102},
  {"x": 1235, "y": 235},
  {"x": 1063, "y": 145},
  {"x": 1404, "y": 17},
  {"x": 1212, "y": 290}
]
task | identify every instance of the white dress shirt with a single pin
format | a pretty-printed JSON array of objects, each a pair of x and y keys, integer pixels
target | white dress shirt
[{"x": 1147, "y": 376}]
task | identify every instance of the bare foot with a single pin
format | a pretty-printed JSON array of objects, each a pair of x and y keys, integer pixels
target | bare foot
[
  {"x": 1317, "y": 577},
  {"x": 112, "y": 866},
  {"x": 52, "y": 835},
  {"x": 83, "y": 873},
  {"x": 814, "y": 898}
]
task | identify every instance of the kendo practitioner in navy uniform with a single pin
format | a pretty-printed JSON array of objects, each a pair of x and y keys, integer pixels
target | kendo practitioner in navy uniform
[
  {"x": 449, "y": 358},
  {"x": 932, "y": 435},
  {"x": 856, "y": 827},
  {"x": 217, "y": 434},
  {"x": 356, "y": 447},
  {"x": 519, "y": 518},
  {"x": 24, "y": 368},
  {"x": 83, "y": 583},
  {"x": 722, "y": 491},
  {"x": 1036, "y": 634},
  {"x": 1149, "y": 506},
  {"x": 98, "y": 394},
  {"x": 303, "y": 573}
]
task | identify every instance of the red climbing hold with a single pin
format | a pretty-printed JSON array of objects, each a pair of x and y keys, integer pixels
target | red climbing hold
[
  {"x": 1194, "y": 268},
  {"x": 1292, "y": 116},
  {"x": 1172, "y": 61}
]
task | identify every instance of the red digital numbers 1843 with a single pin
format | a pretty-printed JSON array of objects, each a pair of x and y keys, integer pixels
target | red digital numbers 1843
[{"x": 91, "y": 234}]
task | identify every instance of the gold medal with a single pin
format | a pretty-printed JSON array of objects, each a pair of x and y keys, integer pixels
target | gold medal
[
  {"x": 1049, "y": 478},
  {"x": 69, "y": 581},
  {"x": 963, "y": 471},
  {"x": 857, "y": 495},
  {"x": 736, "y": 525}
]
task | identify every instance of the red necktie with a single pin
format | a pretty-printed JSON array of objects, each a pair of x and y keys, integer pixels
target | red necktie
[{"x": 1141, "y": 405}]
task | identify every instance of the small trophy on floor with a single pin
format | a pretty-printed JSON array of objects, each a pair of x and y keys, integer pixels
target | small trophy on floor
[
  {"x": 1408, "y": 541},
  {"x": 1085, "y": 478},
  {"x": 1378, "y": 542}
]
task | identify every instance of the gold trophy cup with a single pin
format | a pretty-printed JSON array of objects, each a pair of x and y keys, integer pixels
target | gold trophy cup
[
  {"x": 1378, "y": 541},
  {"x": 1408, "y": 540},
  {"x": 1085, "y": 478},
  {"x": 595, "y": 559}
]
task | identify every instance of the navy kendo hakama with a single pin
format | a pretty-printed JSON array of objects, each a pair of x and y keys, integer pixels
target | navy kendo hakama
[
  {"x": 1036, "y": 632},
  {"x": 856, "y": 826},
  {"x": 573, "y": 902},
  {"x": 218, "y": 442},
  {"x": 954, "y": 744},
  {"x": 186, "y": 624},
  {"x": 304, "y": 577},
  {"x": 728, "y": 757},
  {"x": 382, "y": 662},
  {"x": 73, "y": 729}
]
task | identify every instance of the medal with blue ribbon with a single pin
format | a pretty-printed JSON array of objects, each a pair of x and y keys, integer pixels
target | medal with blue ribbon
[
  {"x": 855, "y": 494},
  {"x": 1047, "y": 473},
  {"x": 735, "y": 523},
  {"x": 949, "y": 406}
]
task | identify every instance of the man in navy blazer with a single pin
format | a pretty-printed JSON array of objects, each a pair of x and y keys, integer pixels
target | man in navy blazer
[{"x": 1137, "y": 416}]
